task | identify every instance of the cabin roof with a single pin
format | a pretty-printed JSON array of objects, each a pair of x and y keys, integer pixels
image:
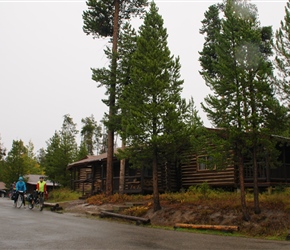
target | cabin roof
[
  {"x": 2, "y": 185},
  {"x": 34, "y": 178},
  {"x": 89, "y": 159}
]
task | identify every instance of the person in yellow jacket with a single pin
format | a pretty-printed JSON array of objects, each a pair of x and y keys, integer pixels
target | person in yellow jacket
[{"x": 41, "y": 186}]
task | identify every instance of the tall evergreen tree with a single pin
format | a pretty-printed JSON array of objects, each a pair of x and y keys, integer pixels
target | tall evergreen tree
[
  {"x": 211, "y": 26},
  {"x": 82, "y": 151},
  {"x": 68, "y": 144},
  {"x": 2, "y": 150},
  {"x": 41, "y": 158},
  {"x": 127, "y": 46},
  {"x": 282, "y": 59},
  {"x": 103, "y": 19},
  {"x": 31, "y": 160},
  {"x": 61, "y": 150},
  {"x": 91, "y": 134},
  {"x": 243, "y": 100},
  {"x": 52, "y": 160},
  {"x": 16, "y": 162},
  {"x": 153, "y": 98}
]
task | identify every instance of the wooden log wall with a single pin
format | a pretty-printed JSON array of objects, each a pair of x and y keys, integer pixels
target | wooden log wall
[
  {"x": 133, "y": 183},
  {"x": 191, "y": 176}
]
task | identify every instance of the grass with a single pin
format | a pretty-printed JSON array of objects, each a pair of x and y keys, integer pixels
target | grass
[
  {"x": 206, "y": 196},
  {"x": 63, "y": 194}
]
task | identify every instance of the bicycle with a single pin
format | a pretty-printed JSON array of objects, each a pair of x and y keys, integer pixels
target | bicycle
[
  {"x": 36, "y": 200},
  {"x": 20, "y": 199}
]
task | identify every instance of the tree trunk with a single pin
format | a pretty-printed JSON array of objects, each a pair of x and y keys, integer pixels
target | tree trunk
[
  {"x": 257, "y": 209},
  {"x": 207, "y": 227},
  {"x": 155, "y": 186},
  {"x": 122, "y": 172},
  {"x": 109, "y": 177},
  {"x": 245, "y": 212}
]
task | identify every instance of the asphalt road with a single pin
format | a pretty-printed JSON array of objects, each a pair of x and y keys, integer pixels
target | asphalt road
[{"x": 32, "y": 229}]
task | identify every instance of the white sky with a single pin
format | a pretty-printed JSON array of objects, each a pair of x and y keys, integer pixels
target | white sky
[{"x": 46, "y": 61}]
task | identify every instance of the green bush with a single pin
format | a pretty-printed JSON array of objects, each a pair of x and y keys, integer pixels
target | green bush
[{"x": 63, "y": 194}]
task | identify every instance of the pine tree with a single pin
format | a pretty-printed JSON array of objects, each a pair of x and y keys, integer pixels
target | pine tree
[
  {"x": 152, "y": 98},
  {"x": 243, "y": 101},
  {"x": 103, "y": 19},
  {"x": 15, "y": 162},
  {"x": 53, "y": 159},
  {"x": 282, "y": 59},
  {"x": 61, "y": 150},
  {"x": 2, "y": 150},
  {"x": 211, "y": 26},
  {"x": 127, "y": 46},
  {"x": 91, "y": 134},
  {"x": 31, "y": 160}
]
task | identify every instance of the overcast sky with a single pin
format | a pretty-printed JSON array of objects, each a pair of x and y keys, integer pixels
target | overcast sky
[{"x": 46, "y": 61}]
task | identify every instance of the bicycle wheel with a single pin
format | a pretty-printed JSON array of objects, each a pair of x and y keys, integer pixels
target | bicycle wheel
[
  {"x": 19, "y": 201},
  {"x": 41, "y": 203},
  {"x": 37, "y": 205},
  {"x": 30, "y": 205}
]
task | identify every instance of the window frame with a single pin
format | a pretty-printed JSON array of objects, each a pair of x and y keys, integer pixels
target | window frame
[{"x": 205, "y": 167}]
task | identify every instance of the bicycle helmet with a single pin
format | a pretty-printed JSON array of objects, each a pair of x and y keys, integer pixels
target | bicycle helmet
[{"x": 20, "y": 178}]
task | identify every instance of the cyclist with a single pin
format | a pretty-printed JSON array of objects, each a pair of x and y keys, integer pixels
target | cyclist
[
  {"x": 20, "y": 186},
  {"x": 41, "y": 187}
]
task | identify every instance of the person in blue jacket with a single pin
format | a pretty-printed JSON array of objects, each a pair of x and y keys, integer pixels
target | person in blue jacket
[{"x": 20, "y": 186}]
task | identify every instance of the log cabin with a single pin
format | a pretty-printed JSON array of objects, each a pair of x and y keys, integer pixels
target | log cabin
[
  {"x": 89, "y": 174},
  {"x": 195, "y": 172}
]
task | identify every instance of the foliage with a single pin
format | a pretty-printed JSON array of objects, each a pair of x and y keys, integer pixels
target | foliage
[
  {"x": 282, "y": 59},
  {"x": 53, "y": 155},
  {"x": 115, "y": 198},
  {"x": 211, "y": 26},
  {"x": 98, "y": 19},
  {"x": 138, "y": 211},
  {"x": 32, "y": 161},
  {"x": 218, "y": 201},
  {"x": 155, "y": 109},
  {"x": 201, "y": 194},
  {"x": 2, "y": 150},
  {"x": 103, "y": 19},
  {"x": 20, "y": 161},
  {"x": 127, "y": 47},
  {"x": 203, "y": 189},
  {"x": 61, "y": 150},
  {"x": 239, "y": 72},
  {"x": 63, "y": 194},
  {"x": 82, "y": 151},
  {"x": 91, "y": 134}
]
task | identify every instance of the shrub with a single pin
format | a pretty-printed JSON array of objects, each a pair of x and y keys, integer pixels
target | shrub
[
  {"x": 63, "y": 194},
  {"x": 137, "y": 211}
]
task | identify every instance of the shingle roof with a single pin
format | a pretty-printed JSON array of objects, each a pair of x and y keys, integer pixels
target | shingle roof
[
  {"x": 34, "y": 178},
  {"x": 2, "y": 185},
  {"x": 88, "y": 159}
]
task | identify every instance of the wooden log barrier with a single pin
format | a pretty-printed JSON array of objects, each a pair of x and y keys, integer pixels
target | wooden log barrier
[
  {"x": 53, "y": 206},
  {"x": 138, "y": 220},
  {"x": 207, "y": 227}
]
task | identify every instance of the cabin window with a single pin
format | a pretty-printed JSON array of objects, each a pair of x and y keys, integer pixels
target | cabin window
[
  {"x": 132, "y": 171},
  {"x": 89, "y": 175},
  {"x": 204, "y": 162},
  {"x": 148, "y": 172}
]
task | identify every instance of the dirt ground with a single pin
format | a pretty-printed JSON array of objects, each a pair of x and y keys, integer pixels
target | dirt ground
[{"x": 268, "y": 223}]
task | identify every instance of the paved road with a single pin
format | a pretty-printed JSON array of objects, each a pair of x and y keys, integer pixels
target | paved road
[{"x": 26, "y": 229}]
